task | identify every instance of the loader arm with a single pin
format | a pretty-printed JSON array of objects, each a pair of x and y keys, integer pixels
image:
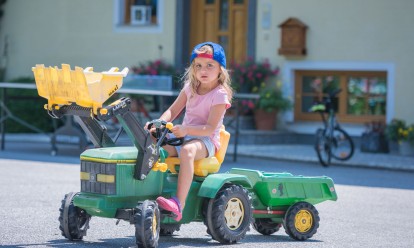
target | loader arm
[{"x": 81, "y": 93}]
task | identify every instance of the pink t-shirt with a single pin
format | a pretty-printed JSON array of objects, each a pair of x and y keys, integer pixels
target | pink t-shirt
[{"x": 198, "y": 109}]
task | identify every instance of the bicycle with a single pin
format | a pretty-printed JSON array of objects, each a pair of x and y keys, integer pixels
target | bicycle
[{"x": 332, "y": 140}]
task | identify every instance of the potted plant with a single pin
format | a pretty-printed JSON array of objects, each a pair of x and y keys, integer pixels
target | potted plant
[
  {"x": 374, "y": 138},
  {"x": 406, "y": 140},
  {"x": 393, "y": 135},
  {"x": 271, "y": 101}
]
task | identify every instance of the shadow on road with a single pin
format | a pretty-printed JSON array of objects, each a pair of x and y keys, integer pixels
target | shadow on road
[{"x": 165, "y": 241}]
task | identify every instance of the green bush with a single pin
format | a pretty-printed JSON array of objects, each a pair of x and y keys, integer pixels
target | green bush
[{"x": 27, "y": 105}]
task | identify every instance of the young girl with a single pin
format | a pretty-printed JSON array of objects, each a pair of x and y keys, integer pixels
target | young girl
[{"x": 205, "y": 96}]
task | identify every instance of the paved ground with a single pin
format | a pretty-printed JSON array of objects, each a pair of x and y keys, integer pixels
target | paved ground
[{"x": 31, "y": 146}]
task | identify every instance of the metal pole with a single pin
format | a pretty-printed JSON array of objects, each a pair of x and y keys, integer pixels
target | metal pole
[
  {"x": 2, "y": 122},
  {"x": 236, "y": 140}
]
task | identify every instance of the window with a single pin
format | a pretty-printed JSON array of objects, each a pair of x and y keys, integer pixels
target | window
[
  {"x": 363, "y": 96},
  {"x": 141, "y": 12},
  {"x": 138, "y": 15}
]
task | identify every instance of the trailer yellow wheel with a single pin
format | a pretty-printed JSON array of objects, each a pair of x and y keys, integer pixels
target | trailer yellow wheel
[{"x": 301, "y": 221}]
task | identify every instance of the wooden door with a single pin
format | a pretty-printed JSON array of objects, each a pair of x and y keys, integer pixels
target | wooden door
[{"x": 223, "y": 22}]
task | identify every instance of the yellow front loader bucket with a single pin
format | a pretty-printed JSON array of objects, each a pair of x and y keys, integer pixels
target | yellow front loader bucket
[{"x": 86, "y": 88}]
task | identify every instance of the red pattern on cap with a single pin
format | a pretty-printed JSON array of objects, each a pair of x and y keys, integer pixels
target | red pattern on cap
[{"x": 205, "y": 55}]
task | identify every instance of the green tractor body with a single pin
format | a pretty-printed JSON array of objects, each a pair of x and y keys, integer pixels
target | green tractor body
[{"x": 108, "y": 186}]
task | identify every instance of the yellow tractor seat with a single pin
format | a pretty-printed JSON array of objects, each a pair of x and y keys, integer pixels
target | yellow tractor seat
[{"x": 205, "y": 166}]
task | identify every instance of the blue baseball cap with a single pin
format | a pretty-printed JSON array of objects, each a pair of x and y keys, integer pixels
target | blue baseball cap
[{"x": 218, "y": 53}]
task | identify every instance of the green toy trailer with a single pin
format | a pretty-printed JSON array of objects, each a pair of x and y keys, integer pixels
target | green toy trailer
[{"x": 123, "y": 182}]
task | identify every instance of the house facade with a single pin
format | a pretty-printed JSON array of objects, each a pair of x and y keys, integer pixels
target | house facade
[{"x": 363, "y": 47}]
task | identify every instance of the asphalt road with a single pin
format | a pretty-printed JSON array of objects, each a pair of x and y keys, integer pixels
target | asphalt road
[{"x": 375, "y": 208}]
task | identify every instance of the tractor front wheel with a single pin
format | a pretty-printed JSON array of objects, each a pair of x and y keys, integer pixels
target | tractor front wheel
[
  {"x": 266, "y": 226},
  {"x": 147, "y": 224},
  {"x": 301, "y": 221},
  {"x": 74, "y": 221},
  {"x": 229, "y": 214}
]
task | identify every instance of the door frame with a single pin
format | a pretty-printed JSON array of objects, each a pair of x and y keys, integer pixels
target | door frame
[{"x": 182, "y": 34}]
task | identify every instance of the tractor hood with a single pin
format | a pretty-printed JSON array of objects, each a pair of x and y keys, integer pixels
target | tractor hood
[
  {"x": 120, "y": 154},
  {"x": 126, "y": 154}
]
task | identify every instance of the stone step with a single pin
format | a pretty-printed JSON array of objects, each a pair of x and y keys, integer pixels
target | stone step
[{"x": 258, "y": 137}]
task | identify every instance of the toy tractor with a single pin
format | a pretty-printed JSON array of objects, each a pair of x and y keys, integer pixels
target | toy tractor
[{"x": 123, "y": 182}]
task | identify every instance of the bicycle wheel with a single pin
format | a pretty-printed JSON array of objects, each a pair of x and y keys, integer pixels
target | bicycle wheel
[
  {"x": 323, "y": 147},
  {"x": 342, "y": 145}
]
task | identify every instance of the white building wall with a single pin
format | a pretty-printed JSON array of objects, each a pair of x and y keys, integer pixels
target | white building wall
[
  {"x": 352, "y": 32},
  {"x": 81, "y": 33}
]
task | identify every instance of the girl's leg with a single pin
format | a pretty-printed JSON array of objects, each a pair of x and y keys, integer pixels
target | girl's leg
[
  {"x": 191, "y": 151},
  {"x": 172, "y": 152}
]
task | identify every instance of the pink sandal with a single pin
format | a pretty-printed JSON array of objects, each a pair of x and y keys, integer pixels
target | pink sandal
[{"x": 173, "y": 205}]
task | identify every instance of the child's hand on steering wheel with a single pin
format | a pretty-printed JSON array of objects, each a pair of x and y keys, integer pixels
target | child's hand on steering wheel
[
  {"x": 159, "y": 129},
  {"x": 179, "y": 131}
]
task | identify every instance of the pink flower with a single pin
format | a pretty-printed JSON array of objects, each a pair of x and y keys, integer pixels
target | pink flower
[{"x": 250, "y": 104}]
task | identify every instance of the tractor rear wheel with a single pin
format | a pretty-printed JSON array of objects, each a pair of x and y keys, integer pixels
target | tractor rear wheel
[
  {"x": 266, "y": 226},
  {"x": 301, "y": 221},
  {"x": 147, "y": 224},
  {"x": 74, "y": 221},
  {"x": 229, "y": 214}
]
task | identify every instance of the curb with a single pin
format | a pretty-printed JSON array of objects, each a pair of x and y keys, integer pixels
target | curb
[
  {"x": 393, "y": 162},
  {"x": 333, "y": 163}
]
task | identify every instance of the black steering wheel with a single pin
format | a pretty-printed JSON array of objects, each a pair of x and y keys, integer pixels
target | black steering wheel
[{"x": 161, "y": 131}]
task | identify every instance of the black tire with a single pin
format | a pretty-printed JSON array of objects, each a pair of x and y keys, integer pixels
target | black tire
[
  {"x": 206, "y": 204},
  {"x": 229, "y": 214},
  {"x": 266, "y": 226},
  {"x": 147, "y": 224},
  {"x": 301, "y": 221},
  {"x": 342, "y": 145},
  {"x": 169, "y": 229},
  {"x": 73, "y": 221},
  {"x": 323, "y": 148}
]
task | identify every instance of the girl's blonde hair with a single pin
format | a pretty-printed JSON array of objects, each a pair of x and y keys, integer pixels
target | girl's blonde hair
[{"x": 224, "y": 79}]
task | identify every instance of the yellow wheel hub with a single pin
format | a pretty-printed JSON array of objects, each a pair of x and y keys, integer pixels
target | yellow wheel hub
[
  {"x": 154, "y": 225},
  {"x": 234, "y": 213},
  {"x": 303, "y": 221}
]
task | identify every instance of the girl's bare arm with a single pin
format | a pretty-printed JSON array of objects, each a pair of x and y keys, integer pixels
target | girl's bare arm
[
  {"x": 175, "y": 109},
  {"x": 214, "y": 118}
]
